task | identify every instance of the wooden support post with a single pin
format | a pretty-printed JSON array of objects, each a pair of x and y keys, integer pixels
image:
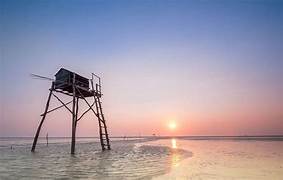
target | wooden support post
[
  {"x": 57, "y": 107},
  {"x": 90, "y": 106},
  {"x": 42, "y": 120},
  {"x": 77, "y": 109},
  {"x": 74, "y": 123},
  {"x": 62, "y": 102},
  {"x": 85, "y": 112}
]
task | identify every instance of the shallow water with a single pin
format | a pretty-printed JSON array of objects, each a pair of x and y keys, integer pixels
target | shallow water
[
  {"x": 127, "y": 160},
  {"x": 180, "y": 158},
  {"x": 227, "y": 159}
]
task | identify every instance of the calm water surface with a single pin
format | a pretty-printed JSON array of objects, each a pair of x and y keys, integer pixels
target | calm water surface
[
  {"x": 230, "y": 158},
  {"x": 128, "y": 159},
  {"x": 171, "y": 158}
]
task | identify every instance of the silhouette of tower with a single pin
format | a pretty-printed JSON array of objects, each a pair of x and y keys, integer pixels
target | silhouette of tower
[{"x": 79, "y": 88}]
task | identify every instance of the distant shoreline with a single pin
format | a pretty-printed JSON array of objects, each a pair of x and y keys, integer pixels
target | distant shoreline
[{"x": 163, "y": 137}]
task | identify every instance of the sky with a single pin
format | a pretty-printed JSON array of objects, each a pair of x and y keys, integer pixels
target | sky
[{"x": 210, "y": 67}]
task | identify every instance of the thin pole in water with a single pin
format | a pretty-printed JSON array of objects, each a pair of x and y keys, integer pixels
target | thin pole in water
[{"x": 47, "y": 139}]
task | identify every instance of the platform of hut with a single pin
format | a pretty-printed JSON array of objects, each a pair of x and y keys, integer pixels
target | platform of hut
[{"x": 80, "y": 91}]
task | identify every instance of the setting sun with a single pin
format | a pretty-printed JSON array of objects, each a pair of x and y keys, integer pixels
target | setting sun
[{"x": 172, "y": 125}]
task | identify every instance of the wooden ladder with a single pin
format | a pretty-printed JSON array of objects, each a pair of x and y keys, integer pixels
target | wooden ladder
[
  {"x": 104, "y": 139},
  {"x": 103, "y": 134}
]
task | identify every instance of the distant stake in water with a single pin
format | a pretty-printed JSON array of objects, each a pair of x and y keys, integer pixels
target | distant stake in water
[
  {"x": 47, "y": 139},
  {"x": 78, "y": 87}
]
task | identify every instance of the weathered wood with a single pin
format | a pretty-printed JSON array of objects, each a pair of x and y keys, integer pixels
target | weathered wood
[
  {"x": 84, "y": 113},
  {"x": 68, "y": 94},
  {"x": 99, "y": 123},
  {"x": 76, "y": 86},
  {"x": 77, "y": 108},
  {"x": 63, "y": 103},
  {"x": 104, "y": 124},
  {"x": 42, "y": 120},
  {"x": 56, "y": 108},
  {"x": 66, "y": 77},
  {"x": 73, "y": 143},
  {"x": 87, "y": 102}
]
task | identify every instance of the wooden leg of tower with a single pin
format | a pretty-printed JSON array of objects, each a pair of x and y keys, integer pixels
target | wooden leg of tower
[
  {"x": 74, "y": 122},
  {"x": 42, "y": 120},
  {"x": 74, "y": 127}
]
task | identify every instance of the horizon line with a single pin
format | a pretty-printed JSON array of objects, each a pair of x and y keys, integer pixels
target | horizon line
[{"x": 150, "y": 136}]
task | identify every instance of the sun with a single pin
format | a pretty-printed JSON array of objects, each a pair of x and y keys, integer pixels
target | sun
[{"x": 172, "y": 125}]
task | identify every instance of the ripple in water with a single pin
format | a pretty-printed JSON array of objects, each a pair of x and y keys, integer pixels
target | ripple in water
[{"x": 126, "y": 160}]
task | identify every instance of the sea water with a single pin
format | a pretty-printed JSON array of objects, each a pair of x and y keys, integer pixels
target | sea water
[
  {"x": 240, "y": 158},
  {"x": 128, "y": 159},
  {"x": 149, "y": 158}
]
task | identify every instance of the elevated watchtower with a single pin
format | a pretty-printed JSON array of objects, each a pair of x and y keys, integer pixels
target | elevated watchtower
[{"x": 78, "y": 87}]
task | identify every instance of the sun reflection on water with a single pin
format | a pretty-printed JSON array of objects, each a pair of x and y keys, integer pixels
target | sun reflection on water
[
  {"x": 175, "y": 160},
  {"x": 174, "y": 143},
  {"x": 175, "y": 156}
]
